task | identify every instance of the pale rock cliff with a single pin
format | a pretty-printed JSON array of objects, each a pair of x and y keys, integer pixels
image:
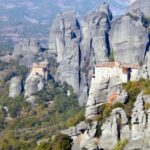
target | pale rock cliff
[
  {"x": 26, "y": 50},
  {"x": 33, "y": 84},
  {"x": 26, "y": 47},
  {"x": 37, "y": 78},
  {"x": 16, "y": 87},
  {"x": 143, "y": 5},
  {"x": 65, "y": 38},
  {"x": 129, "y": 39},
  {"x": 108, "y": 90},
  {"x": 117, "y": 127},
  {"x": 75, "y": 43}
]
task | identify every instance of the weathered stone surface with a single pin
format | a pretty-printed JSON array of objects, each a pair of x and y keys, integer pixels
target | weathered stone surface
[
  {"x": 66, "y": 34},
  {"x": 33, "y": 84},
  {"x": 26, "y": 47},
  {"x": 91, "y": 111},
  {"x": 72, "y": 131},
  {"x": 82, "y": 126},
  {"x": 75, "y": 43},
  {"x": 31, "y": 99},
  {"x": 129, "y": 39},
  {"x": 28, "y": 60},
  {"x": 104, "y": 91},
  {"x": 89, "y": 144},
  {"x": 95, "y": 28},
  {"x": 148, "y": 63},
  {"x": 113, "y": 127},
  {"x": 15, "y": 87},
  {"x": 142, "y": 5}
]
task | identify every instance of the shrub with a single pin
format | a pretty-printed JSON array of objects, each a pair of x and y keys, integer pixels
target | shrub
[
  {"x": 45, "y": 146},
  {"x": 111, "y": 56},
  {"x": 77, "y": 118},
  {"x": 2, "y": 117},
  {"x": 121, "y": 144},
  {"x": 107, "y": 111},
  {"x": 147, "y": 91},
  {"x": 15, "y": 105},
  {"x": 118, "y": 105},
  {"x": 134, "y": 88},
  {"x": 147, "y": 106},
  {"x": 61, "y": 142}
]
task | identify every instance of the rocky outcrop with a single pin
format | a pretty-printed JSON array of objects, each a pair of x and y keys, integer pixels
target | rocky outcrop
[
  {"x": 108, "y": 90},
  {"x": 94, "y": 44},
  {"x": 26, "y": 47},
  {"x": 140, "y": 126},
  {"x": 135, "y": 130},
  {"x": 28, "y": 60},
  {"x": 142, "y": 5},
  {"x": 33, "y": 84},
  {"x": 129, "y": 39},
  {"x": 95, "y": 29},
  {"x": 148, "y": 63},
  {"x": 82, "y": 43},
  {"x": 16, "y": 87},
  {"x": 83, "y": 135},
  {"x": 75, "y": 43},
  {"x": 114, "y": 128},
  {"x": 66, "y": 37}
]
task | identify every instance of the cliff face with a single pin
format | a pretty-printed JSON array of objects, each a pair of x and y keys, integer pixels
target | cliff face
[
  {"x": 142, "y": 5},
  {"x": 75, "y": 43},
  {"x": 126, "y": 39},
  {"x": 134, "y": 131},
  {"x": 92, "y": 39},
  {"x": 129, "y": 39},
  {"x": 65, "y": 37},
  {"x": 16, "y": 87}
]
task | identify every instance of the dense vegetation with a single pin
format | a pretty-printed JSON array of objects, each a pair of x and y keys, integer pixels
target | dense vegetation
[{"x": 56, "y": 108}]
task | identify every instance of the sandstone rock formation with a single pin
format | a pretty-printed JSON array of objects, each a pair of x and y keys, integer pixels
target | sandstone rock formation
[
  {"x": 26, "y": 47},
  {"x": 75, "y": 43},
  {"x": 114, "y": 128},
  {"x": 92, "y": 39},
  {"x": 16, "y": 87},
  {"x": 83, "y": 135},
  {"x": 33, "y": 84},
  {"x": 129, "y": 39},
  {"x": 94, "y": 45},
  {"x": 142, "y": 5},
  {"x": 95, "y": 30},
  {"x": 117, "y": 127},
  {"x": 28, "y": 60},
  {"x": 140, "y": 124},
  {"x": 66, "y": 38},
  {"x": 108, "y": 90}
]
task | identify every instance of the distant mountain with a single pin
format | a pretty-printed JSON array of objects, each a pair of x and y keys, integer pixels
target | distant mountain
[{"x": 32, "y": 18}]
